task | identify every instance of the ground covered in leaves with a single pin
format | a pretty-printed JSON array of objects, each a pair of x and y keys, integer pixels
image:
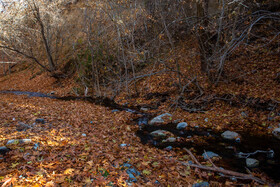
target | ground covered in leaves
[{"x": 85, "y": 144}]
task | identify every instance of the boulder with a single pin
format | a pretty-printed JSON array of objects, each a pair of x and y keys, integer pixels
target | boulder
[
  {"x": 181, "y": 126},
  {"x": 276, "y": 133},
  {"x": 252, "y": 163},
  {"x": 230, "y": 135},
  {"x": 159, "y": 119}
]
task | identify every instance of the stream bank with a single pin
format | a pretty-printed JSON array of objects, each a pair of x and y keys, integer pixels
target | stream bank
[{"x": 197, "y": 138}]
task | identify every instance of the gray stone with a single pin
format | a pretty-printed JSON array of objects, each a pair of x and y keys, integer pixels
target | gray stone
[
  {"x": 276, "y": 133},
  {"x": 209, "y": 154},
  {"x": 252, "y": 163},
  {"x": 201, "y": 184},
  {"x": 181, "y": 126},
  {"x": 238, "y": 140},
  {"x": 144, "y": 109},
  {"x": 132, "y": 178},
  {"x": 4, "y": 150},
  {"x": 22, "y": 126},
  {"x": 170, "y": 139},
  {"x": 244, "y": 114},
  {"x": 159, "y": 119},
  {"x": 40, "y": 120},
  {"x": 169, "y": 148},
  {"x": 21, "y": 141},
  {"x": 159, "y": 133},
  {"x": 133, "y": 171},
  {"x": 229, "y": 135},
  {"x": 36, "y": 146}
]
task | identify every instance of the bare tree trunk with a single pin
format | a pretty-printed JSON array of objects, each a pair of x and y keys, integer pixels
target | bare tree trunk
[
  {"x": 43, "y": 35},
  {"x": 203, "y": 35}
]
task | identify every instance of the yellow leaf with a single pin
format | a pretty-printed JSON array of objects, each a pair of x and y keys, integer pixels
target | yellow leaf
[
  {"x": 14, "y": 165},
  {"x": 88, "y": 181},
  {"x": 146, "y": 172},
  {"x": 69, "y": 171}
]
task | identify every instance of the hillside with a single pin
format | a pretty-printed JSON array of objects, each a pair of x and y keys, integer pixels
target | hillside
[
  {"x": 140, "y": 93},
  {"x": 80, "y": 143}
]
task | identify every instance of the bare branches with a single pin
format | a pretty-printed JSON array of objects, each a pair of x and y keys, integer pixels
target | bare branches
[
  {"x": 27, "y": 56},
  {"x": 220, "y": 170}
]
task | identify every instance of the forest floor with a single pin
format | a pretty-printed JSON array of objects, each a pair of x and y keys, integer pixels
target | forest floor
[{"x": 80, "y": 143}]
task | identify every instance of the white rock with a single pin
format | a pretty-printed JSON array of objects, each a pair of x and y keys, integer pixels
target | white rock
[
  {"x": 181, "y": 126},
  {"x": 19, "y": 141},
  {"x": 170, "y": 139},
  {"x": 230, "y": 135},
  {"x": 144, "y": 109},
  {"x": 159, "y": 119},
  {"x": 159, "y": 133},
  {"x": 252, "y": 163},
  {"x": 276, "y": 133}
]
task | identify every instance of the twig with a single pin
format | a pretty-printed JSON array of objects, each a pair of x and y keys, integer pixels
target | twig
[
  {"x": 220, "y": 170},
  {"x": 193, "y": 157},
  {"x": 210, "y": 160},
  {"x": 226, "y": 172}
]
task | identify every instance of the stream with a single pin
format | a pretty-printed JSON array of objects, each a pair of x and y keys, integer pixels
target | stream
[{"x": 199, "y": 139}]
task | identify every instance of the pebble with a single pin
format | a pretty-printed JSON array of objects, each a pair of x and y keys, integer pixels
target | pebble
[
  {"x": 144, "y": 109},
  {"x": 159, "y": 119},
  {"x": 36, "y": 146},
  {"x": 19, "y": 141},
  {"x": 169, "y": 148},
  {"x": 159, "y": 133},
  {"x": 170, "y": 139},
  {"x": 40, "y": 120},
  {"x": 276, "y": 133},
  {"x": 252, "y": 163},
  {"x": 157, "y": 182},
  {"x": 201, "y": 184},
  {"x": 181, "y": 126},
  {"x": 4, "y": 150},
  {"x": 210, "y": 154},
  {"x": 229, "y": 135}
]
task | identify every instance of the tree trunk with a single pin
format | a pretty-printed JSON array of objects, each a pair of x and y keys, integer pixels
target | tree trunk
[{"x": 203, "y": 35}]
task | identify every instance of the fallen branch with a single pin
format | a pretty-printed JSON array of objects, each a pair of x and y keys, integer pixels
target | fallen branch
[
  {"x": 193, "y": 157},
  {"x": 220, "y": 170}
]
